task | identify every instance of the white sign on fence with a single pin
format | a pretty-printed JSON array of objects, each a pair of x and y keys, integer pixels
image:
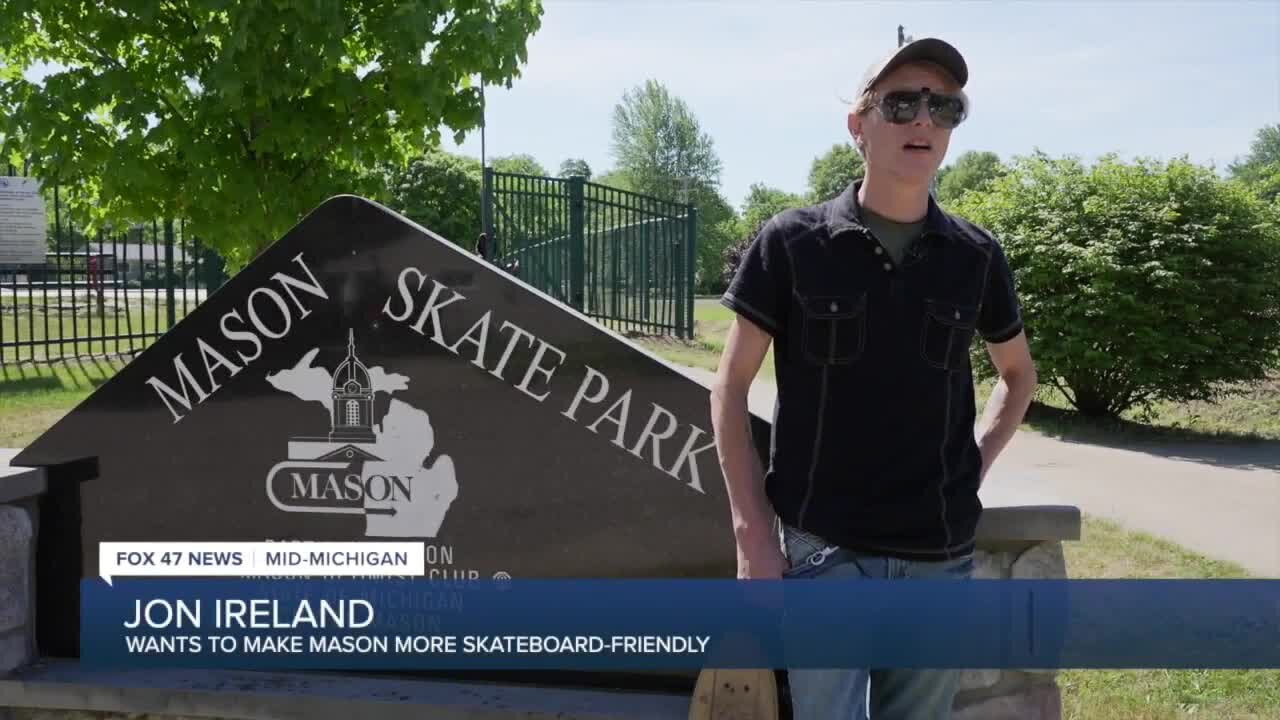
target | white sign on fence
[{"x": 22, "y": 221}]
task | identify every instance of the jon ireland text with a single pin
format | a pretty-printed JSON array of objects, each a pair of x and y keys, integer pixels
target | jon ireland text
[{"x": 252, "y": 613}]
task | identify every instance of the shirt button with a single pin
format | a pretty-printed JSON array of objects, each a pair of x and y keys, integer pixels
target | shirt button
[
  {"x": 879, "y": 250},
  {"x": 834, "y": 307},
  {"x": 887, "y": 266}
]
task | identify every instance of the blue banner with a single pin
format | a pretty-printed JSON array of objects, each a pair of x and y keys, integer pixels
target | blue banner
[{"x": 385, "y": 624}]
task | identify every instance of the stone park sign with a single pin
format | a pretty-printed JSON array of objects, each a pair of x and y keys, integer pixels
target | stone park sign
[{"x": 364, "y": 378}]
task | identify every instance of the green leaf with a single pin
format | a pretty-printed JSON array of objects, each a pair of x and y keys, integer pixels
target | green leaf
[{"x": 279, "y": 121}]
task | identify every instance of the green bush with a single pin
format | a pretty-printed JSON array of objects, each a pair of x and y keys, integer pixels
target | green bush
[
  {"x": 441, "y": 192},
  {"x": 1139, "y": 281}
]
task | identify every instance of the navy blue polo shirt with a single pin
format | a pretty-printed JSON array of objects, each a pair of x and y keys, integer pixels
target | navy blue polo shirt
[{"x": 873, "y": 442}]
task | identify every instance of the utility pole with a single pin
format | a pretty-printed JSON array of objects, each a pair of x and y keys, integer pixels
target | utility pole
[
  {"x": 485, "y": 243},
  {"x": 903, "y": 39}
]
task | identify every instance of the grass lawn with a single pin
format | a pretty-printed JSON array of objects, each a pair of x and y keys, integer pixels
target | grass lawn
[
  {"x": 1106, "y": 550},
  {"x": 33, "y": 397},
  {"x": 711, "y": 322},
  {"x": 1251, "y": 415},
  {"x": 134, "y": 325}
]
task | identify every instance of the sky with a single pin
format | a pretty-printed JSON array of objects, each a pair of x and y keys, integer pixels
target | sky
[{"x": 768, "y": 81}]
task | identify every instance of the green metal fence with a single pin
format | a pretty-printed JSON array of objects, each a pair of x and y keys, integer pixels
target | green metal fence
[
  {"x": 621, "y": 258},
  {"x": 108, "y": 294}
]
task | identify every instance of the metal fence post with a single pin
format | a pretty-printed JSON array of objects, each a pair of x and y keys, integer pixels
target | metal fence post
[
  {"x": 170, "y": 305},
  {"x": 691, "y": 262},
  {"x": 677, "y": 280},
  {"x": 577, "y": 244},
  {"x": 58, "y": 284},
  {"x": 486, "y": 213}
]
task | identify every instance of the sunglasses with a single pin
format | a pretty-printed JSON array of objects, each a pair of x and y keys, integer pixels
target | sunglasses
[{"x": 901, "y": 107}]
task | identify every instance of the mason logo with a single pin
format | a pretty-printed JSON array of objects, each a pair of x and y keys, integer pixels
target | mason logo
[
  {"x": 368, "y": 464},
  {"x": 318, "y": 486}
]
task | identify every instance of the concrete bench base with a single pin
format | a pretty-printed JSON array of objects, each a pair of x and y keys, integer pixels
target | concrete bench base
[{"x": 1013, "y": 542}]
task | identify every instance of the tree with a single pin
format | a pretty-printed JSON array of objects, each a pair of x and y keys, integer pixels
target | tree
[
  {"x": 733, "y": 253},
  {"x": 1139, "y": 282},
  {"x": 661, "y": 150},
  {"x": 832, "y": 172},
  {"x": 241, "y": 117},
  {"x": 660, "y": 144},
  {"x": 1266, "y": 185},
  {"x": 441, "y": 192},
  {"x": 575, "y": 166},
  {"x": 1260, "y": 170},
  {"x": 971, "y": 171},
  {"x": 617, "y": 179},
  {"x": 763, "y": 202},
  {"x": 717, "y": 223},
  {"x": 519, "y": 164}
]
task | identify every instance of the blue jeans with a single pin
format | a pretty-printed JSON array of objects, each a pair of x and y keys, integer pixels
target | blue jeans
[{"x": 843, "y": 694}]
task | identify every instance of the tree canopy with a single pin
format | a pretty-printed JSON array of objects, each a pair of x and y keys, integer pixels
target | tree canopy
[
  {"x": 241, "y": 117},
  {"x": 518, "y": 163},
  {"x": 763, "y": 202},
  {"x": 575, "y": 166},
  {"x": 1260, "y": 169},
  {"x": 441, "y": 192},
  {"x": 659, "y": 143},
  {"x": 833, "y": 171},
  {"x": 660, "y": 149},
  {"x": 973, "y": 170}
]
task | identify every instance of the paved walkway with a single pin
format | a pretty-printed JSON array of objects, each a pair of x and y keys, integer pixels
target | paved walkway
[{"x": 1220, "y": 500}]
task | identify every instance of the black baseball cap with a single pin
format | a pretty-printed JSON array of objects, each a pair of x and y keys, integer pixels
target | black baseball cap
[{"x": 930, "y": 49}]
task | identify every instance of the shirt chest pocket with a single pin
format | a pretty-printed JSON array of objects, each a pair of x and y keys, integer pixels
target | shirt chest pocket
[
  {"x": 946, "y": 333},
  {"x": 835, "y": 328}
]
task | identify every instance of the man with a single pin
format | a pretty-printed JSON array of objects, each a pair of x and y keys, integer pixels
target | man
[{"x": 871, "y": 300}]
